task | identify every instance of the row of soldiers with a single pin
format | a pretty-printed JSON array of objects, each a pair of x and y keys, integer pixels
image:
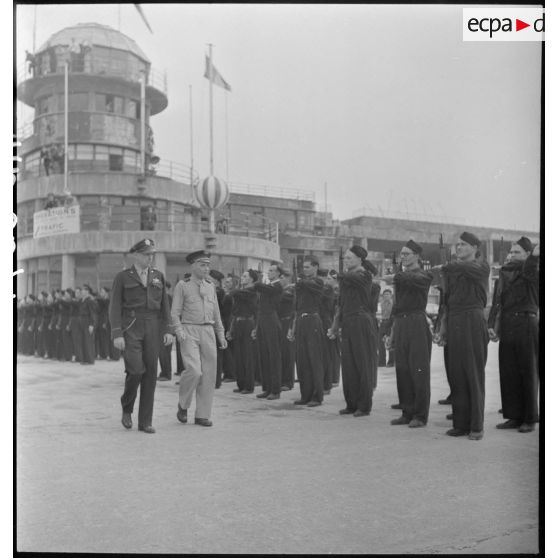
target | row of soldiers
[{"x": 66, "y": 325}]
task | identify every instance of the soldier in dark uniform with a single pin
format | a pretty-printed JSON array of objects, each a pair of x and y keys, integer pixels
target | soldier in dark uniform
[
  {"x": 332, "y": 346},
  {"x": 412, "y": 338},
  {"x": 64, "y": 324},
  {"x": 47, "y": 325},
  {"x": 87, "y": 323},
  {"x": 356, "y": 315},
  {"x": 29, "y": 325},
  {"x": 229, "y": 374},
  {"x": 40, "y": 338},
  {"x": 243, "y": 316},
  {"x": 74, "y": 325},
  {"x": 165, "y": 351},
  {"x": 327, "y": 313},
  {"x": 286, "y": 315},
  {"x": 386, "y": 323},
  {"x": 465, "y": 284},
  {"x": 216, "y": 277},
  {"x": 515, "y": 323},
  {"x": 308, "y": 333},
  {"x": 102, "y": 332},
  {"x": 55, "y": 325},
  {"x": 268, "y": 334},
  {"x": 138, "y": 303}
]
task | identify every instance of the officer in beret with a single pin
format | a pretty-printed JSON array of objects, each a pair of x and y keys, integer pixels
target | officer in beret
[
  {"x": 216, "y": 277},
  {"x": 410, "y": 334},
  {"x": 515, "y": 323},
  {"x": 138, "y": 306},
  {"x": 197, "y": 324},
  {"x": 464, "y": 329}
]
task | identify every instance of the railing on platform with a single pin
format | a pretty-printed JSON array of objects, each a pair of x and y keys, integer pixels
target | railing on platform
[{"x": 271, "y": 191}]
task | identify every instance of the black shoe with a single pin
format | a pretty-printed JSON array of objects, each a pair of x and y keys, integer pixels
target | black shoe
[
  {"x": 237, "y": 390},
  {"x": 476, "y": 435},
  {"x": 400, "y": 420},
  {"x": 335, "y": 384},
  {"x": 228, "y": 380},
  {"x": 456, "y": 432},
  {"x": 327, "y": 392},
  {"x": 417, "y": 423},
  {"x": 147, "y": 429},
  {"x": 272, "y": 396},
  {"x": 346, "y": 411},
  {"x": 262, "y": 395},
  {"x": 127, "y": 420},
  {"x": 501, "y": 411},
  {"x": 445, "y": 401},
  {"x": 389, "y": 365},
  {"x": 245, "y": 391},
  {"x": 397, "y": 406},
  {"x": 203, "y": 422},
  {"x": 527, "y": 427},
  {"x": 178, "y": 373},
  {"x": 301, "y": 402},
  {"x": 177, "y": 383},
  {"x": 313, "y": 404},
  {"x": 182, "y": 414},
  {"x": 511, "y": 423},
  {"x": 285, "y": 388},
  {"x": 359, "y": 413},
  {"x": 449, "y": 417},
  {"x": 163, "y": 379}
]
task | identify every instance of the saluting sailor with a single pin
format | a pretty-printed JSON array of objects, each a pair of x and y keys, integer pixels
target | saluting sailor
[
  {"x": 197, "y": 323},
  {"x": 138, "y": 305}
]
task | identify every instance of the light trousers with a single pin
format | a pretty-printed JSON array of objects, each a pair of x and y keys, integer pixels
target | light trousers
[{"x": 199, "y": 355}]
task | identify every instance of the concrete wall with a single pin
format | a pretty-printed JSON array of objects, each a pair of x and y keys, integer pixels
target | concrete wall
[{"x": 117, "y": 183}]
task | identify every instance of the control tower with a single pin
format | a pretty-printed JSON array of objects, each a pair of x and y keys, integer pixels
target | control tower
[{"x": 110, "y": 187}]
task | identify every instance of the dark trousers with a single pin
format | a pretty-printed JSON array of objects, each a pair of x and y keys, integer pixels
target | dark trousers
[
  {"x": 287, "y": 355},
  {"x": 228, "y": 362},
  {"x": 87, "y": 341},
  {"x": 141, "y": 353},
  {"x": 310, "y": 343},
  {"x": 332, "y": 361},
  {"x": 219, "y": 374},
  {"x": 245, "y": 355},
  {"x": 50, "y": 340},
  {"x": 76, "y": 338},
  {"x": 358, "y": 360},
  {"x": 103, "y": 341},
  {"x": 165, "y": 354},
  {"x": 40, "y": 343},
  {"x": 382, "y": 351},
  {"x": 413, "y": 349},
  {"x": 269, "y": 346},
  {"x": 179, "y": 363},
  {"x": 67, "y": 345},
  {"x": 519, "y": 367},
  {"x": 467, "y": 337},
  {"x": 59, "y": 334}
]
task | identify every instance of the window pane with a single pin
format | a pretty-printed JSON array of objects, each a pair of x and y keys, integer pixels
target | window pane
[
  {"x": 129, "y": 158},
  {"x": 101, "y": 153},
  {"x": 71, "y": 152},
  {"x": 118, "y": 105},
  {"x": 100, "y": 102},
  {"x": 84, "y": 152},
  {"x": 78, "y": 101},
  {"x": 115, "y": 162},
  {"x": 115, "y": 150}
]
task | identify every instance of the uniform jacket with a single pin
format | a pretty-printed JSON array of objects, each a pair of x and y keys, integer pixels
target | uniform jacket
[
  {"x": 195, "y": 302},
  {"x": 129, "y": 298}
]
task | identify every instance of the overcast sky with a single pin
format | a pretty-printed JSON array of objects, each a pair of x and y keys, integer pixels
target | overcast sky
[{"x": 386, "y": 104}]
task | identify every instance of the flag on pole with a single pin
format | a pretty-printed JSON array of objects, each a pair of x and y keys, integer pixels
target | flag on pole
[
  {"x": 140, "y": 11},
  {"x": 212, "y": 74}
]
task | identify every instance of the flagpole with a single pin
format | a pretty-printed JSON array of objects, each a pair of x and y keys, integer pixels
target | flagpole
[
  {"x": 142, "y": 122},
  {"x": 191, "y": 141},
  {"x": 118, "y": 8},
  {"x": 210, "y": 110},
  {"x": 34, "y": 28},
  {"x": 66, "y": 191},
  {"x": 211, "y": 211},
  {"x": 227, "y": 133}
]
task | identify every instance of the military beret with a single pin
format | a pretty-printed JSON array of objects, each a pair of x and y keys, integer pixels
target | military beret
[
  {"x": 71, "y": 292},
  {"x": 216, "y": 275},
  {"x": 412, "y": 245},
  {"x": 359, "y": 252},
  {"x": 312, "y": 259},
  {"x": 199, "y": 255},
  {"x": 525, "y": 243},
  {"x": 144, "y": 246},
  {"x": 470, "y": 238},
  {"x": 323, "y": 272}
]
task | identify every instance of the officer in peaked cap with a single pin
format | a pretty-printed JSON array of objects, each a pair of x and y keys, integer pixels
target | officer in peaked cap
[
  {"x": 138, "y": 307},
  {"x": 197, "y": 323}
]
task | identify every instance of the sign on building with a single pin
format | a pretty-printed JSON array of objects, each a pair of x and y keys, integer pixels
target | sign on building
[{"x": 58, "y": 220}]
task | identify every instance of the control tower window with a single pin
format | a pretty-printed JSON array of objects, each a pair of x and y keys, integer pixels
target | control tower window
[
  {"x": 109, "y": 103},
  {"x": 115, "y": 162}
]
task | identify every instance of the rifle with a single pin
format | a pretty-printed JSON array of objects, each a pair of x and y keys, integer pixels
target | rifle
[
  {"x": 502, "y": 255},
  {"x": 443, "y": 252},
  {"x": 340, "y": 262}
]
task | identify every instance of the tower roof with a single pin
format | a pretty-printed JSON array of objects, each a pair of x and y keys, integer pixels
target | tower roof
[{"x": 96, "y": 34}]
